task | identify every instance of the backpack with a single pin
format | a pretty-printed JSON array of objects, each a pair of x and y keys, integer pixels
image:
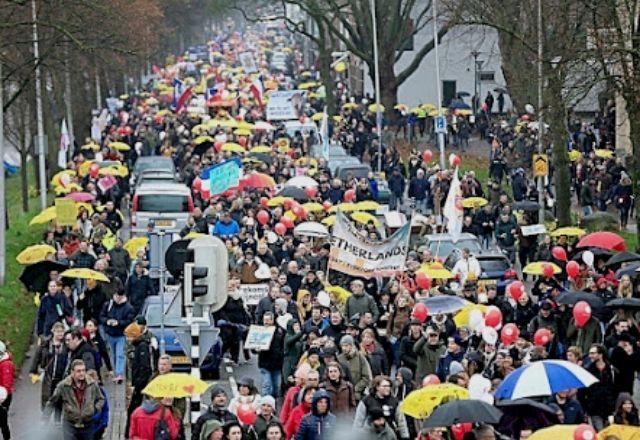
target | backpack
[{"x": 161, "y": 430}]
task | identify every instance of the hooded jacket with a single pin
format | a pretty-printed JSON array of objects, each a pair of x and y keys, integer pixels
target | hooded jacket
[
  {"x": 295, "y": 418},
  {"x": 293, "y": 349},
  {"x": 7, "y": 371},
  {"x": 359, "y": 369},
  {"x": 316, "y": 426},
  {"x": 78, "y": 416},
  {"x": 145, "y": 418}
]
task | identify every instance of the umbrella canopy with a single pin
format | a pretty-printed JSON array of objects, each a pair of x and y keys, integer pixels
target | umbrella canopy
[
  {"x": 623, "y": 257},
  {"x": 625, "y": 303},
  {"x": 80, "y": 196},
  {"x": 175, "y": 385},
  {"x": 261, "y": 149},
  {"x": 463, "y": 411},
  {"x": 474, "y": 202},
  {"x": 537, "y": 268},
  {"x": 34, "y": 254},
  {"x": 85, "y": 274},
  {"x": 232, "y": 147},
  {"x": 340, "y": 292},
  {"x": 420, "y": 403},
  {"x": 435, "y": 271},
  {"x": 597, "y": 252},
  {"x": 462, "y": 317},
  {"x": 526, "y": 205},
  {"x": 313, "y": 207},
  {"x": 365, "y": 218},
  {"x": 555, "y": 432},
  {"x": 543, "y": 378},
  {"x": 311, "y": 229},
  {"x": 571, "y": 297},
  {"x": 45, "y": 216},
  {"x": 329, "y": 221},
  {"x": 134, "y": 244},
  {"x": 257, "y": 180},
  {"x": 569, "y": 231},
  {"x": 519, "y": 413},
  {"x": 604, "y": 240},
  {"x": 36, "y": 276},
  {"x": 444, "y": 304},
  {"x": 367, "y": 205},
  {"x": 344, "y": 207},
  {"x": 293, "y": 192},
  {"x": 277, "y": 201},
  {"x": 624, "y": 432},
  {"x": 630, "y": 269},
  {"x": 302, "y": 182},
  {"x": 119, "y": 146}
]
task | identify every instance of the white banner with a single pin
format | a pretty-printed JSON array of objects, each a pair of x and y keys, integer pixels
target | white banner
[
  {"x": 284, "y": 105},
  {"x": 252, "y": 293},
  {"x": 355, "y": 255},
  {"x": 259, "y": 337},
  {"x": 453, "y": 210}
]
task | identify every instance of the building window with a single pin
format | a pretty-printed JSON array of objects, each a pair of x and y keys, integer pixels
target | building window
[{"x": 487, "y": 76}]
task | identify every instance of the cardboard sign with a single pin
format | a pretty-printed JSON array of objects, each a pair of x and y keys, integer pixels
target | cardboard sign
[
  {"x": 259, "y": 337},
  {"x": 286, "y": 104},
  {"x": 533, "y": 230},
  {"x": 252, "y": 293}
]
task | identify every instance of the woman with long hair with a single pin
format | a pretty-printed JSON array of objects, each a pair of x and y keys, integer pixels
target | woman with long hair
[
  {"x": 626, "y": 411},
  {"x": 373, "y": 351}
]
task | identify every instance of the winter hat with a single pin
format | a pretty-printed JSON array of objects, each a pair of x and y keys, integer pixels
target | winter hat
[
  {"x": 216, "y": 391},
  {"x": 246, "y": 381},
  {"x": 375, "y": 414},
  {"x": 268, "y": 400},
  {"x": 455, "y": 367},
  {"x": 312, "y": 351},
  {"x": 347, "y": 340},
  {"x": 281, "y": 303},
  {"x": 141, "y": 320},
  {"x": 133, "y": 331}
]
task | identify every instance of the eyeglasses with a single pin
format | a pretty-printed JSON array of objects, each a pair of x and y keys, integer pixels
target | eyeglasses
[{"x": 385, "y": 385}]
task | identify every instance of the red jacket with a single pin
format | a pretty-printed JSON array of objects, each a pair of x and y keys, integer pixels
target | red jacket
[
  {"x": 7, "y": 372},
  {"x": 289, "y": 403},
  {"x": 292, "y": 425},
  {"x": 144, "y": 419}
]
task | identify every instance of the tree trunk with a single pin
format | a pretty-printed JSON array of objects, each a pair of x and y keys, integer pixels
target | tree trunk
[
  {"x": 24, "y": 180},
  {"x": 557, "y": 117},
  {"x": 388, "y": 87},
  {"x": 324, "y": 54}
]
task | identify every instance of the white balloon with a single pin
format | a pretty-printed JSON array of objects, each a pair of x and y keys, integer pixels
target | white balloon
[
  {"x": 529, "y": 109},
  {"x": 323, "y": 299},
  {"x": 478, "y": 386},
  {"x": 3, "y": 394},
  {"x": 489, "y": 335},
  {"x": 284, "y": 320},
  {"x": 587, "y": 257},
  {"x": 475, "y": 319}
]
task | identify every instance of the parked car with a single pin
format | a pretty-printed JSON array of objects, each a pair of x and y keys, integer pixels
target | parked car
[
  {"x": 496, "y": 269},
  {"x": 335, "y": 151},
  {"x": 155, "y": 176},
  {"x": 166, "y": 204},
  {"x": 180, "y": 359},
  {"x": 442, "y": 245}
]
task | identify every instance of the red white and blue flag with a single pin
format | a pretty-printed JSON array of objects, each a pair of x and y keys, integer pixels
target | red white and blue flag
[
  {"x": 181, "y": 95},
  {"x": 257, "y": 90}
]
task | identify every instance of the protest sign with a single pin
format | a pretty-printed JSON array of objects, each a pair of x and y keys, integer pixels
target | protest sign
[
  {"x": 287, "y": 104},
  {"x": 223, "y": 176},
  {"x": 259, "y": 337},
  {"x": 253, "y": 293}
]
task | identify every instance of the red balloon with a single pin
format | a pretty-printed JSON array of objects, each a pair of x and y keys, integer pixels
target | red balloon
[
  {"x": 197, "y": 184},
  {"x": 287, "y": 222},
  {"x": 542, "y": 337},
  {"x": 423, "y": 281},
  {"x": 299, "y": 212},
  {"x": 263, "y": 217},
  {"x": 454, "y": 160},
  {"x": 246, "y": 414},
  {"x": 93, "y": 170},
  {"x": 264, "y": 202},
  {"x": 420, "y": 312},
  {"x": 431, "y": 379},
  {"x": 349, "y": 196},
  {"x": 218, "y": 146},
  {"x": 584, "y": 432},
  {"x": 288, "y": 203},
  {"x": 280, "y": 229},
  {"x": 581, "y": 313},
  {"x": 559, "y": 253},
  {"x": 311, "y": 191},
  {"x": 516, "y": 289},
  {"x": 525, "y": 117},
  {"x": 460, "y": 429},
  {"x": 242, "y": 140},
  {"x": 493, "y": 317},
  {"x": 427, "y": 155},
  {"x": 573, "y": 269},
  {"x": 509, "y": 334},
  {"x": 547, "y": 270},
  {"x": 326, "y": 205}
]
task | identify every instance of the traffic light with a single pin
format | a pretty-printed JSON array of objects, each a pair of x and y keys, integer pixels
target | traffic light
[
  {"x": 206, "y": 277},
  {"x": 195, "y": 280}
]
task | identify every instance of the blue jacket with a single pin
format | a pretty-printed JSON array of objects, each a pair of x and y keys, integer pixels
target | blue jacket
[
  {"x": 418, "y": 188},
  {"x": 123, "y": 313},
  {"x": 101, "y": 419},
  {"x": 138, "y": 288},
  {"x": 445, "y": 363},
  {"x": 315, "y": 426},
  {"x": 373, "y": 187},
  {"x": 52, "y": 309},
  {"x": 223, "y": 230}
]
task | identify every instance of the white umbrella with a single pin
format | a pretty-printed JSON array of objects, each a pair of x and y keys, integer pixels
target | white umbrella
[
  {"x": 264, "y": 125},
  {"x": 311, "y": 229},
  {"x": 301, "y": 182}
]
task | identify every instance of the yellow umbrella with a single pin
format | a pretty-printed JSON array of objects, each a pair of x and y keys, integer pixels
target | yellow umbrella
[
  {"x": 227, "y": 123},
  {"x": 198, "y": 129},
  {"x": 465, "y": 112},
  {"x": 344, "y": 207},
  {"x": 329, "y": 221},
  {"x": 350, "y": 106},
  {"x": 313, "y": 207},
  {"x": 242, "y": 132},
  {"x": 290, "y": 215},
  {"x": 317, "y": 117},
  {"x": 305, "y": 74},
  {"x": 337, "y": 118},
  {"x": 308, "y": 85},
  {"x": 202, "y": 139},
  {"x": 474, "y": 202},
  {"x": 604, "y": 154},
  {"x": 35, "y": 253},
  {"x": 623, "y": 432},
  {"x": 261, "y": 149},
  {"x": 90, "y": 146},
  {"x": 277, "y": 201},
  {"x": 574, "y": 155},
  {"x": 72, "y": 187},
  {"x": 569, "y": 231},
  {"x": 175, "y": 385},
  {"x": 365, "y": 218},
  {"x": 420, "y": 403},
  {"x": 233, "y": 147},
  {"x": 462, "y": 317},
  {"x": 340, "y": 292},
  {"x": 435, "y": 271},
  {"x": 151, "y": 101},
  {"x": 108, "y": 171},
  {"x": 401, "y": 107},
  {"x": 367, "y": 205},
  {"x": 56, "y": 179},
  {"x": 428, "y": 106},
  {"x": 536, "y": 268},
  {"x": 83, "y": 168},
  {"x": 244, "y": 125},
  {"x": 555, "y": 432},
  {"x": 373, "y": 108},
  {"x": 134, "y": 244},
  {"x": 45, "y": 216},
  {"x": 119, "y": 146},
  {"x": 85, "y": 274},
  {"x": 164, "y": 112},
  {"x": 193, "y": 234}
]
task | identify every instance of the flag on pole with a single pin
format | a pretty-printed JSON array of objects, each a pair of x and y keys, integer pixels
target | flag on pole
[
  {"x": 181, "y": 95},
  {"x": 65, "y": 143},
  {"x": 257, "y": 90},
  {"x": 209, "y": 93},
  {"x": 324, "y": 133},
  {"x": 453, "y": 210}
]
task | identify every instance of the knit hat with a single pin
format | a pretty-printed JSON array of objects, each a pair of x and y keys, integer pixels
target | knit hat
[
  {"x": 133, "y": 331},
  {"x": 312, "y": 351},
  {"x": 347, "y": 340},
  {"x": 141, "y": 320},
  {"x": 455, "y": 367},
  {"x": 216, "y": 391},
  {"x": 281, "y": 303},
  {"x": 268, "y": 400}
]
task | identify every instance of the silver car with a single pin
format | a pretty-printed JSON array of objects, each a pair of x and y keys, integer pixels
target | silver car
[{"x": 166, "y": 204}]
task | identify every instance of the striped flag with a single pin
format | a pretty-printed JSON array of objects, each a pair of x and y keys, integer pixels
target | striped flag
[
  {"x": 257, "y": 90},
  {"x": 181, "y": 95}
]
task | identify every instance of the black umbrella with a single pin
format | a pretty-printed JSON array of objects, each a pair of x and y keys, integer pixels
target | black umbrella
[
  {"x": 294, "y": 192},
  {"x": 628, "y": 269},
  {"x": 36, "y": 276},
  {"x": 202, "y": 148},
  {"x": 623, "y": 257},
  {"x": 526, "y": 205},
  {"x": 463, "y": 94},
  {"x": 462, "y": 411},
  {"x": 500, "y": 90},
  {"x": 597, "y": 253},
  {"x": 572, "y": 297},
  {"x": 625, "y": 303},
  {"x": 520, "y": 413},
  {"x": 262, "y": 157}
]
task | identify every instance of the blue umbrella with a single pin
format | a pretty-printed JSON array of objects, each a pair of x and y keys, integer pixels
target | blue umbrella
[
  {"x": 459, "y": 104},
  {"x": 543, "y": 378},
  {"x": 444, "y": 304}
]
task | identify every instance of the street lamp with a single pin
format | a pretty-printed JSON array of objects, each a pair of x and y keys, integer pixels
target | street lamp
[{"x": 476, "y": 65}]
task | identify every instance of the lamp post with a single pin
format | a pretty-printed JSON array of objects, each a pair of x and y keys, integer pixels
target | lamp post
[
  {"x": 440, "y": 133},
  {"x": 476, "y": 97},
  {"x": 377, "y": 81}
]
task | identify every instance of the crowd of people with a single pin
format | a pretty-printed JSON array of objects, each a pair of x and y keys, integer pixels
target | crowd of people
[{"x": 335, "y": 362}]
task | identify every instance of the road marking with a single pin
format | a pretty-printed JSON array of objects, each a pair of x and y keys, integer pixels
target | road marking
[{"x": 232, "y": 380}]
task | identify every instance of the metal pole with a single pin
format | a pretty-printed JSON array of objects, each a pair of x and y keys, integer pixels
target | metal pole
[
  {"x": 476, "y": 97},
  {"x": 39, "y": 119},
  {"x": 163, "y": 343},
  {"x": 377, "y": 82},
  {"x": 68, "y": 102},
  {"x": 540, "y": 118},
  {"x": 3, "y": 211},
  {"x": 98, "y": 92},
  {"x": 438, "y": 85}
]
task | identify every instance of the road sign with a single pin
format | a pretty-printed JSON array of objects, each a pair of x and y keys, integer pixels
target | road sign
[
  {"x": 441, "y": 124},
  {"x": 208, "y": 337},
  {"x": 540, "y": 165}
]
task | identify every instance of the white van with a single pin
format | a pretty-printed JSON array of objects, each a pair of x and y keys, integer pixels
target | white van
[{"x": 166, "y": 204}]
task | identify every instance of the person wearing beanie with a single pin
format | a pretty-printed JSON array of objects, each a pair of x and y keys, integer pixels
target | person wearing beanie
[
  {"x": 141, "y": 362},
  {"x": 266, "y": 416},
  {"x": 379, "y": 429},
  {"x": 429, "y": 349},
  {"x": 247, "y": 393},
  {"x": 216, "y": 411},
  {"x": 357, "y": 363},
  {"x": 212, "y": 430},
  {"x": 7, "y": 372},
  {"x": 454, "y": 353}
]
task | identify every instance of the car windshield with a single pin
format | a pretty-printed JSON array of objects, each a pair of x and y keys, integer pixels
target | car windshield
[
  {"x": 493, "y": 264},
  {"x": 442, "y": 248},
  {"x": 165, "y": 203},
  {"x": 153, "y": 316},
  {"x": 142, "y": 165}
]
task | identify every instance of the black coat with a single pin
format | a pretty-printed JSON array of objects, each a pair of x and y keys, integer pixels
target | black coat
[
  {"x": 141, "y": 365},
  {"x": 52, "y": 309},
  {"x": 84, "y": 352},
  {"x": 123, "y": 313},
  {"x": 273, "y": 359},
  {"x": 137, "y": 289},
  {"x": 600, "y": 398},
  {"x": 92, "y": 303}
]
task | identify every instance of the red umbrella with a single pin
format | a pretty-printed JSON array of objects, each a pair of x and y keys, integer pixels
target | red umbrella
[
  {"x": 604, "y": 240},
  {"x": 257, "y": 180},
  {"x": 80, "y": 196}
]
